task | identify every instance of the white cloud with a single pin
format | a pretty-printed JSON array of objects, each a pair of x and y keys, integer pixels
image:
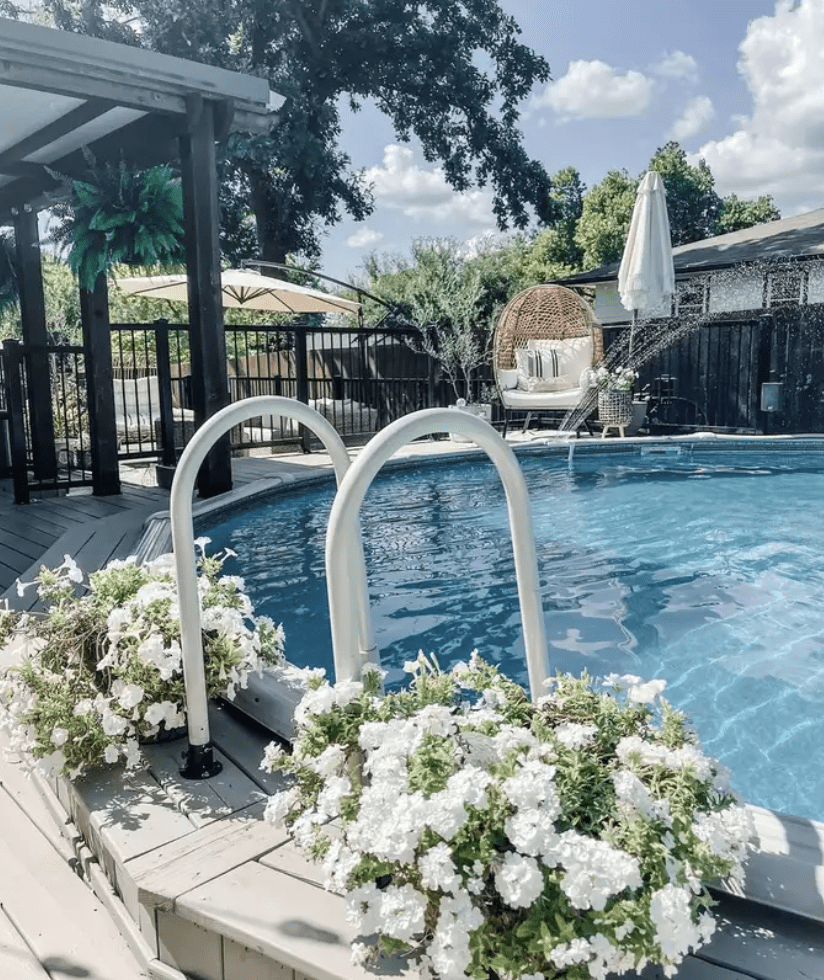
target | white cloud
[
  {"x": 364, "y": 237},
  {"x": 676, "y": 64},
  {"x": 779, "y": 148},
  {"x": 696, "y": 112},
  {"x": 594, "y": 89},
  {"x": 401, "y": 184}
]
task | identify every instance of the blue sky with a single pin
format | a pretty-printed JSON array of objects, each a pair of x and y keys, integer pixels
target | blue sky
[{"x": 739, "y": 83}]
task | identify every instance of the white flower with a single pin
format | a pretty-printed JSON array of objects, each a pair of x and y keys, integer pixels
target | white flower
[
  {"x": 438, "y": 870},
  {"x": 59, "y": 736},
  {"x": 631, "y": 792},
  {"x": 271, "y": 754},
  {"x": 595, "y": 870},
  {"x": 726, "y": 833},
  {"x": 646, "y": 693},
  {"x": 534, "y": 783},
  {"x": 675, "y": 932},
  {"x": 113, "y": 724},
  {"x": 166, "y": 712},
  {"x": 201, "y": 543},
  {"x": 83, "y": 707},
  {"x": 279, "y": 805},
  {"x": 316, "y": 701},
  {"x": 335, "y": 788},
  {"x": 346, "y": 692},
  {"x": 130, "y": 695},
  {"x": 568, "y": 954},
  {"x": 132, "y": 753},
  {"x": 111, "y": 753},
  {"x": 401, "y": 912},
  {"x": 330, "y": 761},
  {"x": 519, "y": 880},
  {"x": 575, "y": 736},
  {"x": 73, "y": 572}
]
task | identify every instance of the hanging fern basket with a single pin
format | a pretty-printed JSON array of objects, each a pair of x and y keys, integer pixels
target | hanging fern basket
[{"x": 122, "y": 216}]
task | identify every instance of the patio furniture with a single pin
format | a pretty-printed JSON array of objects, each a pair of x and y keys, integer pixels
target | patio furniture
[
  {"x": 546, "y": 339},
  {"x": 137, "y": 413}
]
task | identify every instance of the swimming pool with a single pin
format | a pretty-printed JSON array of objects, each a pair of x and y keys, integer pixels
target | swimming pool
[{"x": 699, "y": 565}]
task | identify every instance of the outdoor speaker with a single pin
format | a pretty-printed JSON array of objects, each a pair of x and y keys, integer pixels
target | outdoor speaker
[{"x": 772, "y": 396}]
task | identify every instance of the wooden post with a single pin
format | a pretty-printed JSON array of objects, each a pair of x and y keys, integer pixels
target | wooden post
[
  {"x": 97, "y": 344},
  {"x": 164, "y": 388},
  {"x": 35, "y": 338},
  {"x": 302, "y": 380},
  {"x": 210, "y": 383},
  {"x": 12, "y": 364}
]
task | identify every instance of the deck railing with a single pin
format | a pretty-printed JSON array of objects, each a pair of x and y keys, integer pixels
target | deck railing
[{"x": 359, "y": 378}]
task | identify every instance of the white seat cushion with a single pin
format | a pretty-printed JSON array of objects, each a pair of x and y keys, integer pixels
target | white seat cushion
[{"x": 531, "y": 401}]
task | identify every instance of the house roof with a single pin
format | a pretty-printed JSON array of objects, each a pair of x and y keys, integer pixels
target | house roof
[
  {"x": 788, "y": 238},
  {"x": 60, "y": 91}
]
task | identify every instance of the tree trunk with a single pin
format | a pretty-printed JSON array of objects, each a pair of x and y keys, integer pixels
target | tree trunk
[{"x": 273, "y": 247}]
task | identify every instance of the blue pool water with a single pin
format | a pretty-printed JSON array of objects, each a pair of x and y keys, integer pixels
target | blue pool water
[{"x": 706, "y": 570}]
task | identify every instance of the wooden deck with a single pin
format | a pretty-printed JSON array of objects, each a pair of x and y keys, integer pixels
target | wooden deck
[{"x": 189, "y": 874}]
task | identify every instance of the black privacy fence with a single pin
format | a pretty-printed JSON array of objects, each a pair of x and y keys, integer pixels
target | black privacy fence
[
  {"x": 360, "y": 379},
  {"x": 713, "y": 377}
]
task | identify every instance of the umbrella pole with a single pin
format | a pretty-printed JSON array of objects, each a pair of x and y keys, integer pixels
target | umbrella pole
[{"x": 632, "y": 335}]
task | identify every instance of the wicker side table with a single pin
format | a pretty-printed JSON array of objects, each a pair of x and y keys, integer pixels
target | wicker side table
[{"x": 614, "y": 410}]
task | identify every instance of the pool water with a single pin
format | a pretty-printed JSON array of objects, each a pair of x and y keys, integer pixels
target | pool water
[{"x": 706, "y": 571}]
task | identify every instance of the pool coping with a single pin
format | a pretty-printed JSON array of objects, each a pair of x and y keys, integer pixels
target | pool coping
[{"x": 787, "y": 870}]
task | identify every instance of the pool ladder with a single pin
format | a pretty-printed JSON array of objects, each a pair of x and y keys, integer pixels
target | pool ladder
[{"x": 353, "y": 642}]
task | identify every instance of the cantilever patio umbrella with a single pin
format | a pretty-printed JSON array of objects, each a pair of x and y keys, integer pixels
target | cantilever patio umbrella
[
  {"x": 244, "y": 288},
  {"x": 646, "y": 278}
]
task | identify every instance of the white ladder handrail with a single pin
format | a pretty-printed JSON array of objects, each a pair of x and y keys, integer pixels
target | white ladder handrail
[
  {"x": 180, "y": 510},
  {"x": 344, "y": 526}
]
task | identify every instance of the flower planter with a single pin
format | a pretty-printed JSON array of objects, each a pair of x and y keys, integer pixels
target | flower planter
[{"x": 614, "y": 407}]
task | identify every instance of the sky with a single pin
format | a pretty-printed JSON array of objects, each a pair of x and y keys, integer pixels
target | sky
[{"x": 740, "y": 84}]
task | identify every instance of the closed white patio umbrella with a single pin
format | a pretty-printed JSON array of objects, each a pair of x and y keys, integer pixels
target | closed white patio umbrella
[
  {"x": 646, "y": 278},
  {"x": 246, "y": 289}
]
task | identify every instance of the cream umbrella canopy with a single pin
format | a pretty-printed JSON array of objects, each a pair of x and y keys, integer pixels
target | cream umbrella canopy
[
  {"x": 646, "y": 277},
  {"x": 242, "y": 288}
]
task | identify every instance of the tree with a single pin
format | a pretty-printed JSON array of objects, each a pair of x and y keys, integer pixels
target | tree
[
  {"x": 692, "y": 204},
  {"x": 419, "y": 63},
  {"x": 605, "y": 217},
  {"x": 737, "y": 214}
]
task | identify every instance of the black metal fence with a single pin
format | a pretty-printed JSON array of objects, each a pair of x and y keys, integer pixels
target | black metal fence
[
  {"x": 35, "y": 459},
  {"x": 360, "y": 379}
]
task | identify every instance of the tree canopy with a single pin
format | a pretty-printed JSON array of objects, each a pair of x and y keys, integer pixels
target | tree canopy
[
  {"x": 694, "y": 208},
  {"x": 450, "y": 72}
]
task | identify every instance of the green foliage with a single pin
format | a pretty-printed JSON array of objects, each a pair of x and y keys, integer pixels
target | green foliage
[
  {"x": 452, "y": 298},
  {"x": 8, "y": 273},
  {"x": 121, "y": 216},
  {"x": 692, "y": 204},
  {"x": 694, "y": 208},
  {"x": 451, "y": 73},
  {"x": 737, "y": 214},
  {"x": 605, "y": 218}
]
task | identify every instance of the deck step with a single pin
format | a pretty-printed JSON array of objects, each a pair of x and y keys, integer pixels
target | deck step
[{"x": 66, "y": 930}]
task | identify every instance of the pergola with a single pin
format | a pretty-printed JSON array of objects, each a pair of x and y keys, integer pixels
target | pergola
[{"x": 60, "y": 92}]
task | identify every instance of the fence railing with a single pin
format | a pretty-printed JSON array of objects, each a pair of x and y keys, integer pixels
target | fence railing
[{"x": 360, "y": 379}]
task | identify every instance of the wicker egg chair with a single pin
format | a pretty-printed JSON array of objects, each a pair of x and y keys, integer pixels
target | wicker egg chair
[{"x": 548, "y": 317}]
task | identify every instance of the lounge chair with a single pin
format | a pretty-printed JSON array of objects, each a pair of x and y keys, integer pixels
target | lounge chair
[
  {"x": 546, "y": 340},
  {"x": 137, "y": 412}
]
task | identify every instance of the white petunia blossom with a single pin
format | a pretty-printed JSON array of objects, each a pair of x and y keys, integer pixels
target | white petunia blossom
[
  {"x": 59, "y": 736},
  {"x": 575, "y": 736},
  {"x": 519, "y": 880},
  {"x": 438, "y": 870}
]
